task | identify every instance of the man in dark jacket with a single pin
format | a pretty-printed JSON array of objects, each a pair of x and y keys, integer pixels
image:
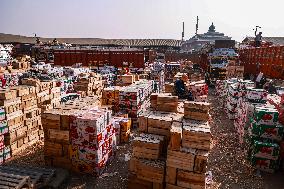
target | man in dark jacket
[{"x": 181, "y": 90}]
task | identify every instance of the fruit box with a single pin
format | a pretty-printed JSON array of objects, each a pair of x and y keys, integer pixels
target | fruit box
[
  {"x": 265, "y": 150},
  {"x": 264, "y": 164},
  {"x": 273, "y": 132},
  {"x": 266, "y": 115}
]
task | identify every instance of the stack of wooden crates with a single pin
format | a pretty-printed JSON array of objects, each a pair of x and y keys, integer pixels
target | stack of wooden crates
[
  {"x": 89, "y": 84},
  {"x": 148, "y": 163},
  {"x": 22, "y": 118},
  {"x": 171, "y": 150},
  {"x": 48, "y": 96}
]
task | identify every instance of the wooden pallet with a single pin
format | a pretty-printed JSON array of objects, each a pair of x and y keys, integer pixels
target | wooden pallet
[
  {"x": 39, "y": 177},
  {"x": 14, "y": 181}
]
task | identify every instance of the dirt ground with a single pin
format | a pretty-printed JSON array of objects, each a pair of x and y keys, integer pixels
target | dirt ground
[{"x": 227, "y": 162}]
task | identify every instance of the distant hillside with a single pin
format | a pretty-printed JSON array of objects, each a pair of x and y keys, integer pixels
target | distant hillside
[{"x": 9, "y": 38}]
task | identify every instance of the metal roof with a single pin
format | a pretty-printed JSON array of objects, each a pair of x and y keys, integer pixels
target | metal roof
[{"x": 9, "y": 38}]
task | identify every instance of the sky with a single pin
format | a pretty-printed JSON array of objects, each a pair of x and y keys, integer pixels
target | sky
[{"x": 140, "y": 19}]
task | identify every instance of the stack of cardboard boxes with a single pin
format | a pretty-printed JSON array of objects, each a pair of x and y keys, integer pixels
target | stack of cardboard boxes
[{"x": 79, "y": 137}]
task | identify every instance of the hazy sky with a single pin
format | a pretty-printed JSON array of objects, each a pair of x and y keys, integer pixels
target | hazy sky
[{"x": 139, "y": 18}]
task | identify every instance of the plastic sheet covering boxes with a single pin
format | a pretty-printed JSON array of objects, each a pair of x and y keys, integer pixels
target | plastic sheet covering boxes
[
  {"x": 170, "y": 152},
  {"x": 20, "y": 119}
]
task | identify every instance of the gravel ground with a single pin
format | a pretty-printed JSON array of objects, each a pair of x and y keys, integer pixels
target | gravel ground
[{"x": 227, "y": 162}]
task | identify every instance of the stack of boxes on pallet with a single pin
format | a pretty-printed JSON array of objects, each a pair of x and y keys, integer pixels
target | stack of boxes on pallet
[
  {"x": 48, "y": 96},
  {"x": 256, "y": 122},
  {"x": 171, "y": 149},
  {"x": 189, "y": 148},
  {"x": 148, "y": 163},
  {"x": 82, "y": 140},
  {"x": 89, "y": 84},
  {"x": 22, "y": 122},
  {"x": 9, "y": 79},
  {"x": 147, "y": 169}
]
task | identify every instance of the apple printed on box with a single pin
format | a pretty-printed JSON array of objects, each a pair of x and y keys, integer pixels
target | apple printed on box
[
  {"x": 266, "y": 150},
  {"x": 266, "y": 115}
]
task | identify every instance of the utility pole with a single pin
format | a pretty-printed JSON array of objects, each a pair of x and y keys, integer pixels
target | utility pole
[
  {"x": 196, "y": 26},
  {"x": 182, "y": 34}
]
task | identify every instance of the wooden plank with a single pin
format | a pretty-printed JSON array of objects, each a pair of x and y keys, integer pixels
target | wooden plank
[
  {"x": 171, "y": 186},
  {"x": 171, "y": 175},
  {"x": 190, "y": 179},
  {"x": 15, "y": 181},
  {"x": 200, "y": 162},
  {"x": 176, "y": 134}
]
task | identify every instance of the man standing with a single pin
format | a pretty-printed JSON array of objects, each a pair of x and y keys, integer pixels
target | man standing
[{"x": 258, "y": 39}]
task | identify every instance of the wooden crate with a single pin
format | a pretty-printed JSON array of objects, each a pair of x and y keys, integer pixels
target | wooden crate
[
  {"x": 189, "y": 179},
  {"x": 53, "y": 149},
  {"x": 147, "y": 146},
  {"x": 150, "y": 170},
  {"x": 200, "y": 162},
  {"x": 196, "y": 110},
  {"x": 167, "y": 103},
  {"x": 7, "y": 94},
  {"x": 124, "y": 136},
  {"x": 143, "y": 122},
  {"x": 196, "y": 134},
  {"x": 183, "y": 159},
  {"x": 51, "y": 119},
  {"x": 171, "y": 175},
  {"x": 58, "y": 136}
]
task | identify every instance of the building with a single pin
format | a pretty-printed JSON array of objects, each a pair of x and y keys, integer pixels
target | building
[
  {"x": 199, "y": 40},
  {"x": 99, "y": 57}
]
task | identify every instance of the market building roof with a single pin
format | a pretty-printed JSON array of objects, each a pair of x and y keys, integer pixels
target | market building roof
[{"x": 9, "y": 38}]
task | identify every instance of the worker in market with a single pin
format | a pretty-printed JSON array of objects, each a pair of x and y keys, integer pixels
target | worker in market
[
  {"x": 260, "y": 81},
  {"x": 270, "y": 87},
  {"x": 207, "y": 78},
  {"x": 181, "y": 90},
  {"x": 258, "y": 39}
]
